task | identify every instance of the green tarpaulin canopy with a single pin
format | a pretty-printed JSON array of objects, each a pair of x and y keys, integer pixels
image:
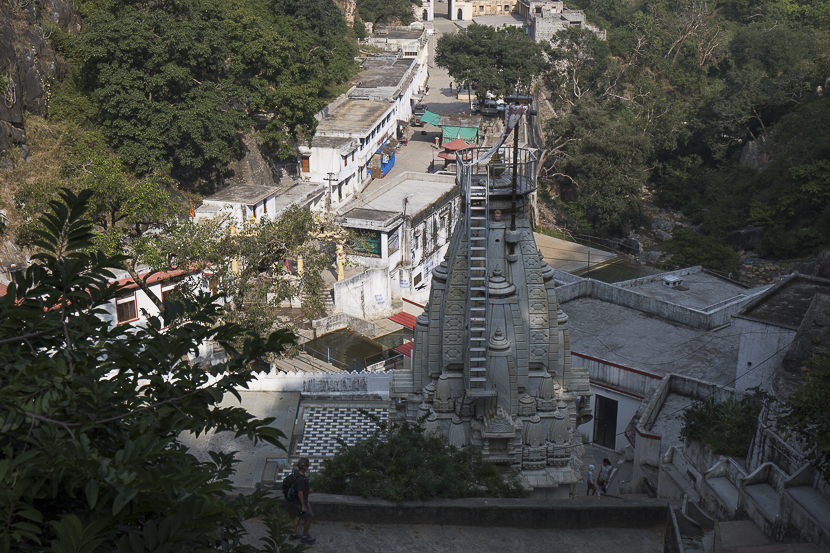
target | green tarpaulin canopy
[
  {"x": 470, "y": 134},
  {"x": 431, "y": 118}
]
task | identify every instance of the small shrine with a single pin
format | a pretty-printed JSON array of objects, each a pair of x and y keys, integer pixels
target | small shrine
[{"x": 454, "y": 151}]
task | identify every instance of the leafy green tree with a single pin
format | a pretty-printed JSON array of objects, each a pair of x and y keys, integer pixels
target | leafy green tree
[
  {"x": 387, "y": 11},
  {"x": 283, "y": 67},
  {"x": 501, "y": 61},
  {"x": 692, "y": 248},
  {"x": 806, "y": 414},
  {"x": 155, "y": 72},
  {"x": 248, "y": 264},
  {"x": 407, "y": 463},
  {"x": 174, "y": 83},
  {"x": 91, "y": 414}
]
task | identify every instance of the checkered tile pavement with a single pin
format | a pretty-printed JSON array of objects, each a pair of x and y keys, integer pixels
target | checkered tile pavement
[{"x": 324, "y": 423}]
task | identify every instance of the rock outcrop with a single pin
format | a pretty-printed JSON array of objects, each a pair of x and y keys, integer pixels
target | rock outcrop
[
  {"x": 27, "y": 61},
  {"x": 748, "y": 238},
  {"x": 820, "y": 266}
]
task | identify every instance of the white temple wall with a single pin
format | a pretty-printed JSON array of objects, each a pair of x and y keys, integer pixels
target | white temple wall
[
  {"x": 627, "y": 405},
  {"x": 311, "y": 383}
]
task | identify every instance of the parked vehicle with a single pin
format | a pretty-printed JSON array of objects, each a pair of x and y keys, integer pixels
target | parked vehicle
[
  {"x": 490, "y": 107},
  {"x": 417, "y": 115},
  {"x": 474, "y": 107}
]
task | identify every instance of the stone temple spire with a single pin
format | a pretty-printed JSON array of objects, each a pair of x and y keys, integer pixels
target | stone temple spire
[{"x": 521, "y": 404}]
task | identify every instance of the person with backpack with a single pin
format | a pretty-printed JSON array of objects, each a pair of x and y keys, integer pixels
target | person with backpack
[{"x": 296, "y": 490}]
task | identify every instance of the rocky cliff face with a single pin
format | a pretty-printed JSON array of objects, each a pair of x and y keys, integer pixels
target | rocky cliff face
[{"x": 28, "y": 60}]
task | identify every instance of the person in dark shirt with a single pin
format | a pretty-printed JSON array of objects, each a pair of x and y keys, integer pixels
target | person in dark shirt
[{"x": 301, "y": 504}]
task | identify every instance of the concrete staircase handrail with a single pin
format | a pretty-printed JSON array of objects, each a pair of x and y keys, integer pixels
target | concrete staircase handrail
[
  {"x": 767, "y": 473},
  {"x": 803, "y": 477}
]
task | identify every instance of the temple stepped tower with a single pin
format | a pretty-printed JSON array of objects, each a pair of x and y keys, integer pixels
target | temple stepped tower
[{"x": 491, "y": 364}]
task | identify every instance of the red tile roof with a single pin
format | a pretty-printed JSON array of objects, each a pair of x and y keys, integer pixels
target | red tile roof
[
  {"x": 3, "y": 289},
  {"x": 406, "y": 348},
  {"x": 129, "y": 283},
  {"x": 404, "y": 319},
  {"x": 456, "y": 144}
]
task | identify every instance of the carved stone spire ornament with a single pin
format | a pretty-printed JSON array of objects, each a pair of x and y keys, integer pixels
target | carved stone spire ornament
[{"x": 491, "y": 364}]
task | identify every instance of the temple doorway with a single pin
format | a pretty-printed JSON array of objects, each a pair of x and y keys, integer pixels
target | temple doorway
[
  {"x": 426, "y": 15},
  {"x": 605, "y": 422},
  {"x": 460, "y": 14}
]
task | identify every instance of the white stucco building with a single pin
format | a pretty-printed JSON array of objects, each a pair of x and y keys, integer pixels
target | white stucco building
[
  {"x": 357, "y": 134},
  {"x": 404, "y": 230}
]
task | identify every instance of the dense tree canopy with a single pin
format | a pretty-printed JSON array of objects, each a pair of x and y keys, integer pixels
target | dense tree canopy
[
  {"x": 683, "y": 87},
  {"x": 91, "y": 414},
  {"x": 387, "y": 11},
  {"x": 174, "y": 83},
  {"x": 501, "y": 61}
]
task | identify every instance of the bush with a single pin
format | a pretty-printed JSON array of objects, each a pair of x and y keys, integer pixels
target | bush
[
  {"x": 692, "y": 248},
  {"x": 726, "y": 427},
  {"x": 406, "y": 464}
]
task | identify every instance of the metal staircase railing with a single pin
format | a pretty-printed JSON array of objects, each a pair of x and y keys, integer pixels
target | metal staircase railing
[{"x": 478, "y": 209}]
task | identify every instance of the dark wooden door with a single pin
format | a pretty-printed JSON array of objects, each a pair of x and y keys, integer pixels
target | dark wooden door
[{"x": 605, "y": 422}]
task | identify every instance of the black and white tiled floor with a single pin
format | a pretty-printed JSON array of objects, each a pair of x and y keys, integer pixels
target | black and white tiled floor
[{"x": 325, "y": 423}]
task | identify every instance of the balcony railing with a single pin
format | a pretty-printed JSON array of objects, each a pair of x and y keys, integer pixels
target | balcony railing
[{"x": 497, "y": 170}]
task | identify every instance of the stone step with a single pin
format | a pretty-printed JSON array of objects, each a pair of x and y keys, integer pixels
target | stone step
[
  {"x": 726, "y": 491},
  {"x": 767, "y": 499}
]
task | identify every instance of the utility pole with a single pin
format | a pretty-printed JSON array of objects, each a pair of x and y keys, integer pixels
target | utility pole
[{"x": 330, "y": 178}]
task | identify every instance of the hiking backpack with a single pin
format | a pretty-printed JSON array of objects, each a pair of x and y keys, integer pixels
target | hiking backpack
[{"x": 289, "y": 491}]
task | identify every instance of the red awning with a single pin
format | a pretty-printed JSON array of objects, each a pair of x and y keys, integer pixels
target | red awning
[
  {"x": 404, "y": 319},
  {"x": 456, "y": 144},
  {"x": 406, "y": 348}
]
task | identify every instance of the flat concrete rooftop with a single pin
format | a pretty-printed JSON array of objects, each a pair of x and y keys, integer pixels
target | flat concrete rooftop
[
  {"x": 382, "y": 73},
  {"x": 704, "y": 290},
  {"x": 299, "y": 192},
  {"x": 629, "y": 337},
  {"x": 422, "y": 191},
  {"x": 374, "y": 215},
  {"x": 353, "y": 116},
  {"x": 499, "y": 20},
  {"x": 330, "y": 141},
  {"x": 242, "y": 193}
]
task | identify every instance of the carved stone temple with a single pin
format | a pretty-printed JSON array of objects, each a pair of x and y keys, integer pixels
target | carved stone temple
[{"x": 491, "y": 365}]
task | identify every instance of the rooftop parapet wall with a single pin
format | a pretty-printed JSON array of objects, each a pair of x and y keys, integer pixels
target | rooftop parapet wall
[
  {"x": 345, "y": 383},
  {"x": 619, "y": 377},
  {"x": 503, "y": 512},
  {"x": 623, "y": 294}
]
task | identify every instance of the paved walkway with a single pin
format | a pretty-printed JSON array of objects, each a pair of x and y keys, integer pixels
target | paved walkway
[
  {"x": 337, "y": 537},
  {"x": 421, "y": 151}
]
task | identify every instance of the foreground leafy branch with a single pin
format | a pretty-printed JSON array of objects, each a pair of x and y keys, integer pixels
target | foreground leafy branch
[{"x": 91, "y": 414}]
